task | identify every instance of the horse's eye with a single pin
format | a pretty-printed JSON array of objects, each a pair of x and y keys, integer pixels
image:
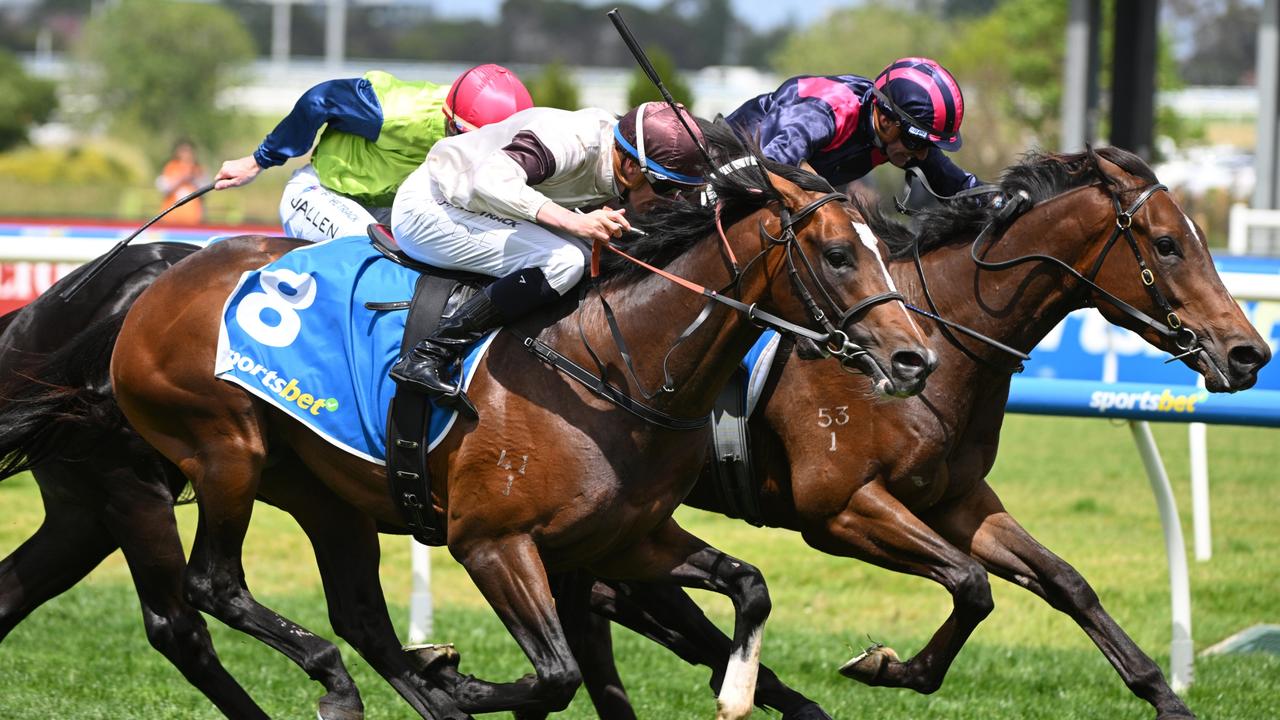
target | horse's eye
[
  {"x": 838, "y": 257},
  {"x": 1166, "y": 246}
]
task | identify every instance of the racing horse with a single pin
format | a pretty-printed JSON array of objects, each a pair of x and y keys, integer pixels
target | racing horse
[
  {"x": 104, "y": 488},
  {"x": 585, "y": 498},
  {"x": 903, "y": 485}
]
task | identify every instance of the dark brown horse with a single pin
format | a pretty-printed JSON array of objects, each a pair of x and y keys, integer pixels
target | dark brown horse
[
  {"x": 586, "y": 497},
  {"x": 902, "y": 485}
]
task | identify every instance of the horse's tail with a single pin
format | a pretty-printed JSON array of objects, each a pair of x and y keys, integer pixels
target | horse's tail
[{"x": 46, "y": 406}]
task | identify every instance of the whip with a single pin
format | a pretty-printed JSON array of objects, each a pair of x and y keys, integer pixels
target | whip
[{"x": 102, "y": 262}]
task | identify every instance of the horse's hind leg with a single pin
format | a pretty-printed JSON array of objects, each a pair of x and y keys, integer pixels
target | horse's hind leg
[
  {"x": 980, "y": 523},
  {"x": 139, "y": 514},
  {"x": 68, "y": 544},
  {"x": 225, "y": 473},
  {"x": 670, "y": 554},
  {"x": 345, "y": 541},
  {"x": 668, "y": 616}
]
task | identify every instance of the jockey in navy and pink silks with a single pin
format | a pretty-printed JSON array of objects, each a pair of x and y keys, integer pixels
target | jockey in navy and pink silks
[{"x": 845, "y": 125}]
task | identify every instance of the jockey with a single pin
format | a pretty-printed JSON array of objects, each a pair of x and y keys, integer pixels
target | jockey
[
  {"x": 845, "y": 125},
  {"x": 379, "y": 130},
  {"x": 502, "y": 200}
]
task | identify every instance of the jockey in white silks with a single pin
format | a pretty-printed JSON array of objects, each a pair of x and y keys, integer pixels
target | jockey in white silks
[{"x": 504, "y": 201}]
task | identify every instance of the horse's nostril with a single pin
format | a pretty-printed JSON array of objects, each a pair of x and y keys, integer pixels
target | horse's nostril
[
  {"x": 909, "y": 364},
  {"x": 1246, "y": 357}
]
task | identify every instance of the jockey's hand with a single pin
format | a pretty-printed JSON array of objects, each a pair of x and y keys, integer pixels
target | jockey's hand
[
  {"x": 235, "y": 173},
  {"x": 602, "y": 224}
]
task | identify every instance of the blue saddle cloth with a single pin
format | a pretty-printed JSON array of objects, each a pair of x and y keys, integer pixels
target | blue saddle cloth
[
  {"x": 757, "y": 363},
  {"x": 297, "y": 334}
]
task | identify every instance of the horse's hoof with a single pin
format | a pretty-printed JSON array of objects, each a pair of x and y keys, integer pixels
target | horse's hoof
[
  {"x": 333, "y": 709},
  {"x": 430, "y": 658},
  {"x": 867, "y": 665},
  {"x": 808, "y": 712}
]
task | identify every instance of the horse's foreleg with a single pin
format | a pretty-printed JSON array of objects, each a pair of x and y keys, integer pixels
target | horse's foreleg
[
  {"x": 594, "y": 650},
  {"x": 225, "y": 475},
  {"x": 670, "y": 554},
  {"x": 509, "y": 572},
  {"x": 981, "y": 523},
  {"x": 68, "y": 544},
  {"x": 345, "y": 541},
  {"x": 669, "y": 617},
  {"x": 877, "y": 528}
]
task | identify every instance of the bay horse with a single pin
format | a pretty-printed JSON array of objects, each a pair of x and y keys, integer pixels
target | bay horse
[
  {"x": 587, "y": 497},
  {"x": 903, "y": 485},
  {"x": 104, "y": 488}
]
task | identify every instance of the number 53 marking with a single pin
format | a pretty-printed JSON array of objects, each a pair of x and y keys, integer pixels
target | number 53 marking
[
  {"x": 837, "y": 415},
  {"x": 827, "y": 418}
]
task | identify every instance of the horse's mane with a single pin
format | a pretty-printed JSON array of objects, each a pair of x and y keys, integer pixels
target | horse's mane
[
  {"x": 673, "y": 226},
  {"x": 1040, "y": 175}
]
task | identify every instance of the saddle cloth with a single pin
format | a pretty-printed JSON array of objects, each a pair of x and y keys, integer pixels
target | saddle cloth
[
  {"x": 297, "y": 334},
  {"x": 757, "y": 363}
]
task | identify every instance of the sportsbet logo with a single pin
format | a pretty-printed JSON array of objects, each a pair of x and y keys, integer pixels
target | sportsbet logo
[
  {"x": 288, "y": 390},
  {"x": 1104, "y": 400}
]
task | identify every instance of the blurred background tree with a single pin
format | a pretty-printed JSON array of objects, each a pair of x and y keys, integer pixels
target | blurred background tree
[
  {"x": 641, "y": 89},
  {"x": 860, "y": 41},
  {"x": 554, "y": 87},
  {"x": 24, "y": 101},
  {"x": 156, "y": 70}
]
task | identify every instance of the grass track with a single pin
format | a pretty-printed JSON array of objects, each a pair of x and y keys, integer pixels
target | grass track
[{"x": 1076, "y": 484}]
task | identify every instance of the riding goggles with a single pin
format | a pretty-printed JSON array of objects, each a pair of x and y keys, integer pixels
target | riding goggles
[{"x": 915, "y": 136}]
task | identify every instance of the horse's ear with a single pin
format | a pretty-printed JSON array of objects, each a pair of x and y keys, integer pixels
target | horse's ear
[
  {"x": 1106, "y": 169},
  {"x": 804, "y": 165},
  {"x": 791, "y": 193}
]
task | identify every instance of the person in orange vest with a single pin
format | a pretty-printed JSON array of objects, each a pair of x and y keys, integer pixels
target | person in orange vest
[{"x": 181, "y": 176}]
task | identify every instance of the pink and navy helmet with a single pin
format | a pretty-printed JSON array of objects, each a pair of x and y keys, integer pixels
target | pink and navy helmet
[{"x": 922, "y": 95}]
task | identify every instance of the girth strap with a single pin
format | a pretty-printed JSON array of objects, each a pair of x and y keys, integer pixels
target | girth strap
[
  {"x": 730, "y": 456},
  {"x": 407, "y": 419}
]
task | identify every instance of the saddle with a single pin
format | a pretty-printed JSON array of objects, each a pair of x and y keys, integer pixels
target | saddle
[{"x": 437, "y": 294}]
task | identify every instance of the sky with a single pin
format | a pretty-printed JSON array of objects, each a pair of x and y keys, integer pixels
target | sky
[{"x": 760, "y": 14}]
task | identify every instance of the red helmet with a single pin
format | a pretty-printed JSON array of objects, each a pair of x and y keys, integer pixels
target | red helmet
[{"x": 485, "y": 94}]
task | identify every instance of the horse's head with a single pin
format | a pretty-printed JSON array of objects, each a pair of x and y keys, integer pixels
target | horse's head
[
  {"x": 831, "y": 271},
  {"x": 1154, "y": 258}
]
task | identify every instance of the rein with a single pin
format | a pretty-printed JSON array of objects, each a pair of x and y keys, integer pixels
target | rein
[
  {"x": 918, "y": 174},
  {"x": 946, "y": 326},
  {"x": 835, "y": 340}
]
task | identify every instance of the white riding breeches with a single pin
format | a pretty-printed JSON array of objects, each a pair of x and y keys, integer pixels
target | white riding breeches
[
  {"x": 430, "y": 229},
  {"x": 310, "y": 211}
]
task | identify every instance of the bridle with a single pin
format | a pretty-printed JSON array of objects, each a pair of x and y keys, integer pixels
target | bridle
[
  {"x": 837, "y": 341},
  {"x": 1171, "y": 327},
  {"x": 834, "y": 338}
]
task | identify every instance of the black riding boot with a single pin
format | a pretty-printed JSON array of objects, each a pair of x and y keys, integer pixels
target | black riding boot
[{"x": 423, "y": 368}]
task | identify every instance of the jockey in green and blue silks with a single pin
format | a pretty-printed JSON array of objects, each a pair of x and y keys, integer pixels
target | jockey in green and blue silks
[
  {"x": 379, "y": 129},
  {"x": 845, "y": 125}
]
